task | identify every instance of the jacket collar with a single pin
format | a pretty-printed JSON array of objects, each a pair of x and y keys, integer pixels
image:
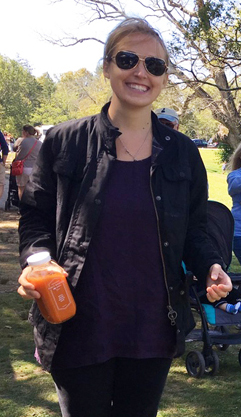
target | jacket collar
[
  {"x": 163, "y": 137},
  {"x": 165, "y": 140},
  {"x": 108, "y": 132}
]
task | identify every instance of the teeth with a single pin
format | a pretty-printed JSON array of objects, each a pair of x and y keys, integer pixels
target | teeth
[{"x": 138, "y": 87}]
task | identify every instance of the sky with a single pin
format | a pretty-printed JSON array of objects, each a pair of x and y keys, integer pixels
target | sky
[{"x": 25, "y": 23}]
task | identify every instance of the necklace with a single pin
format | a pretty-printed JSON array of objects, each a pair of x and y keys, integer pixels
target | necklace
[{"x": 138, "y": 150}]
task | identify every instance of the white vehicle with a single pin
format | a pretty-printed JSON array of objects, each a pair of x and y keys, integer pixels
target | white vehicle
[{"x": 43, "y": 130}]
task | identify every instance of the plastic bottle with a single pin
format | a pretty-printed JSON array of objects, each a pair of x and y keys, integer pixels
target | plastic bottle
[{"x": 56, "y": 303}]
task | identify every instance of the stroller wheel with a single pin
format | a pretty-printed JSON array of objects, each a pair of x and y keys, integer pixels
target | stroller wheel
[
  {"x": 212, "y": 364},
  {"x": 195, "y": 364},
  {"x": 222, "y": 347}
]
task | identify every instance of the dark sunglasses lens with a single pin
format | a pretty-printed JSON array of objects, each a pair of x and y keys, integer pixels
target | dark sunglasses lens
[
  {"x": 155, "y": 66},
  {"x": 166, "y": 123},
  {"x": 126, "y": 60}
]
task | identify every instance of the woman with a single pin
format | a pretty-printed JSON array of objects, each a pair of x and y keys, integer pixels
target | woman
[
  {"x": 28, "y": 145},
  {"x": 3, "y": 160},
  {"x": 119, "y": 200},
  {"x": 234, "y": 190}
]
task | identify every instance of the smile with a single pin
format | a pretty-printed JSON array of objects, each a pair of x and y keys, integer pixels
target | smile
[{"x": 138, "y": 87}]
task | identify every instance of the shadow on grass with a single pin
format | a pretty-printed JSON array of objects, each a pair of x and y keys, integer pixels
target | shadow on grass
[
  {"x": 208, "y": 396},
  {"x": 25, "y": 389}
]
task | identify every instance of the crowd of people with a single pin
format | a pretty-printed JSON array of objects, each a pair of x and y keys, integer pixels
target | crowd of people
[
  {"x": 25, "y": 148},
  {"x": 3, "y": 159},
  {"x": 119, "y": 200}
]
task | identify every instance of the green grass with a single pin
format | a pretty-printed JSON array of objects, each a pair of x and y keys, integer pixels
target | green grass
[
  {"x": 217, "y": 181},
  {"x": 26, "y": 390}
]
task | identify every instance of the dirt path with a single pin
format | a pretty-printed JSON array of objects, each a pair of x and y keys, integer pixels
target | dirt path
[{"x": 9, "y": 262}]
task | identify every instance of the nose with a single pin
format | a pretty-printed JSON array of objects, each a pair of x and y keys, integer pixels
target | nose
[{"x": 140, "y": 68}]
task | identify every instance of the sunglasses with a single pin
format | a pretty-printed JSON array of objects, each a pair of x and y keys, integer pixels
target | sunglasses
[
  {"x": 167, "y": 123},
  {"x": 127, "y": 60}
]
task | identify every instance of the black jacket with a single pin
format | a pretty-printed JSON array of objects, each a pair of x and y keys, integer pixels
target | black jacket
[{"x": 62, "y": 203}]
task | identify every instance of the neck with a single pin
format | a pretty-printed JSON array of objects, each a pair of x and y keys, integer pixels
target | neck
[
  {"x": 128, "y": 118},
  {"x": 135, "y": 126}
]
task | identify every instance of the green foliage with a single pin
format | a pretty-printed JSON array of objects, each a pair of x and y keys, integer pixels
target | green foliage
[
  {"x": 19, "y": 92},
  {"x": 195, "y": 120},
  {"x": 215, "y": 26},
  {"x": 42, "y": 100},
  {"x": 225, "y": 151},
  {"x": 76, "y": 94}
]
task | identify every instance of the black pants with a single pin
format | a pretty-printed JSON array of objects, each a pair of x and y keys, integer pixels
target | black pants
[{"x": 119, "y": 387}]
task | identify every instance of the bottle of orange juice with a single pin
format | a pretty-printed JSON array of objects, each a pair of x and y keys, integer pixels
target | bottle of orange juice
[{"x": 56, "y": 303}]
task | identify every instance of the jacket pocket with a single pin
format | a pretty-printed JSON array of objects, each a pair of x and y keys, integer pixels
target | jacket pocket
[
  {"x": 177, "y": 173},
  {"x": 68, "y": 166},
  {"x": 176, "y": 190}
]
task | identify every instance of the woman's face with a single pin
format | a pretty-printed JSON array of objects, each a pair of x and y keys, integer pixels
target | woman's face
[{"x": 136, "y": 87}]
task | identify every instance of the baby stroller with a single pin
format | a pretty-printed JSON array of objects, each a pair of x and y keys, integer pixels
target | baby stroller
[
  {"x": 12, "y": 199},
  {"x": 218, "y": 328}
]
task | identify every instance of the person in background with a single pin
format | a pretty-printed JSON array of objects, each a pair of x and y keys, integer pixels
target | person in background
[
  {"x": 119, "y": 200},
  {"x": 3, "y": 158},
  {"x": 224, "y": 166},
  {"x": 234, "y": 190},
  {"x": 168, "y": 117},
  {"x": 22, "y": 146}
]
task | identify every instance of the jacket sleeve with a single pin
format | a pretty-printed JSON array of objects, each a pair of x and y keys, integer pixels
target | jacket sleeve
[
  {"x": 234, "y": 183},
  {"x": 3, "y": 145},
  {"x": 38, "y": 207},
  {"x": 199, "y": 253}
]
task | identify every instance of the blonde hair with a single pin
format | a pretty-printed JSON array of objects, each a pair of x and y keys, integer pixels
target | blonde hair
[
  {"x": 127, "y": 27},
  {"x": 235, "y": 160}
]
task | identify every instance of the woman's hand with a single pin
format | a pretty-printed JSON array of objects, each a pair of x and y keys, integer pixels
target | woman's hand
[
  {"x": 218, "y": 283},
  {"x": 26, "y": 289}
]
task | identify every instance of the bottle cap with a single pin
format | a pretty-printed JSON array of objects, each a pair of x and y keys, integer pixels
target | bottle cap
[{"x": 39, "y": 258}]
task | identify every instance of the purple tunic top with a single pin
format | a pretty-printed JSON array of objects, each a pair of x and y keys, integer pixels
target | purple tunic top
[{"x": 121, "y": 295}]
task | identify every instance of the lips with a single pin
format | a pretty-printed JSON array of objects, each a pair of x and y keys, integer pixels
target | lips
[{"x": 138, "y": 87}]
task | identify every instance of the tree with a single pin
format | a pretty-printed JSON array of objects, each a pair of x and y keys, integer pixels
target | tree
[
  {"x": 43, "y": 112},
  {"x": 195, "y": 120},
  {"x": 74, "y": 95},
  {"x": 47, "y": 87},
  {"x": 18, "y": 95},
  {"x": 205, "y": 49}
]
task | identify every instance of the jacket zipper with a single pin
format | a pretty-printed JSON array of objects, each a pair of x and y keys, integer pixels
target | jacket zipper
[{"x": 172, "y": 314}]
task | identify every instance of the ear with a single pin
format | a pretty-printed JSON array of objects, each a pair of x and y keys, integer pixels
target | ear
[{"x": 106, "y": 69}]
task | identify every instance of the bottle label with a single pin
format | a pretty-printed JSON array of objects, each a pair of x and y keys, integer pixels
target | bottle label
[{"x": 59, "y": 293}]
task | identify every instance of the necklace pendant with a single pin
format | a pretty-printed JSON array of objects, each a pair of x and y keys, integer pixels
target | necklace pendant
[
  {"x": 128, "y": 153},
  {"x": 138, "y": 150}
]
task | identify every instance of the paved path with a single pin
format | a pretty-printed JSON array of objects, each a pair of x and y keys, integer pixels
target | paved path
[{"x": 5, "y": 194}]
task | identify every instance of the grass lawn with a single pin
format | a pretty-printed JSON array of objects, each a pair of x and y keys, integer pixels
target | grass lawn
[
  {"x": 217, "y": 181},
  {"x": 26, "y": 390}
]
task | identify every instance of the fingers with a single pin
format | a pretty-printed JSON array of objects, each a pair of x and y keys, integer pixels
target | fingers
[
  {"x": 215, "y": 271},
  {"x": 215, "y": 292},
  {"x": 28, "y": 294},
  {"x": 26, "y": 289}
]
